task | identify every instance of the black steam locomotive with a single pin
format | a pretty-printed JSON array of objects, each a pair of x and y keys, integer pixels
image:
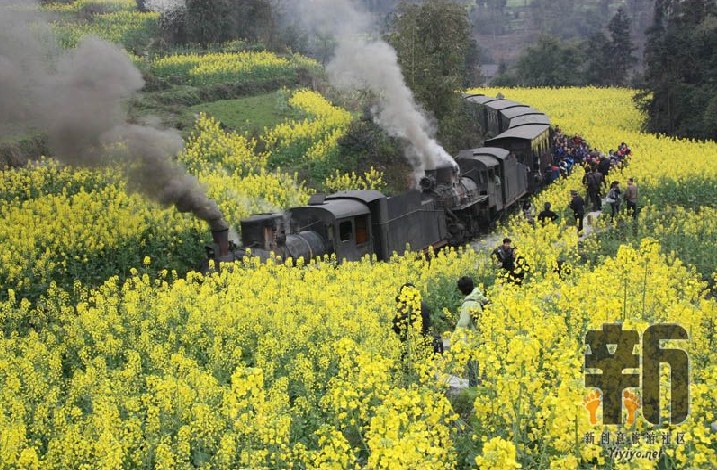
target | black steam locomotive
[{"x": 452, "y": 205}]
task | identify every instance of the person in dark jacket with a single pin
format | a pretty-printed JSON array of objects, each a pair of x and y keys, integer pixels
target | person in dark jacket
[
  {"x": 403, "y": 313},
  {"x": 505, "y": 255},
  {"x": 593, "y": 182},
  {"x": 577, "y": 204},
  {"x": 546, "y": 213},
  {"x": 604, "y": 166},
  {"x": 613, "y": 198},
  {"x": 400, "y": 321}
]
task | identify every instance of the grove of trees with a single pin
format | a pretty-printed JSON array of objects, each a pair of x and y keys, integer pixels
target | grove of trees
[
  {"x": 438, "y": 57},
  {"x": 205, "y": 22},
  {"x": 601, "y": 59},
  {"x": 680, "y": 83}
]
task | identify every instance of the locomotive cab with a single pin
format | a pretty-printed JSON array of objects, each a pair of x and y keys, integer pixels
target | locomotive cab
[
  {"x": 498, "y": 175},
  {"x": 484, "y": 171},
  {"x": 264, "y": 231}
]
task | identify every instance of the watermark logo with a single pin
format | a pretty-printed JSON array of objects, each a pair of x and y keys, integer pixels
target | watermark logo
[
  {"x": 612, "y": 367},
  {"x": 626, "y": 447}
]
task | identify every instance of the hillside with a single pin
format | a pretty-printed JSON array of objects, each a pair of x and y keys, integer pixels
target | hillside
[{"x": 506, "y": 28}]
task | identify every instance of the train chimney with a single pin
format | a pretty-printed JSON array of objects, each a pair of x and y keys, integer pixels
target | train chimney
[
  {"x": 446, "y": 174},
  {"x": 440, "y": 176},
  {"x": 220, "y": 234}
]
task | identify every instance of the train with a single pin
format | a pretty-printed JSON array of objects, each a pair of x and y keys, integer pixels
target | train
[{"x": 451, "y": 206}]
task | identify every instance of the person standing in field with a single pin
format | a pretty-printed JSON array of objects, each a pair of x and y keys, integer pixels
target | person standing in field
[
  {"x": 546, "y": 214},
  {"x": 472, "y": 303},
  {"x": 406, "y": 319},
  {"x": 613, "y": 198},
  {"x": 577, "y": 204},
  {"x": 631, "y": 197},
  {"x": 604, "y": 166},
  {"x": 529, "y": 212},
  {"x": 505, "y": 255},
  {"x": 471, "y": 310},
  {"x": 593, "y": 181}
]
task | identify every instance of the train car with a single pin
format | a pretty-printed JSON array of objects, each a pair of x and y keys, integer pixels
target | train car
[
  {"x": 529, "y": 119},
  {"x": 508, "y": 115},
  {"x": 477, "y": 103},
  {"x": 531, "y": 146},
  {"x": 493, "y": 116},
  {"x": 395, "y": 222},
  {"x": 349, "y": 224}
]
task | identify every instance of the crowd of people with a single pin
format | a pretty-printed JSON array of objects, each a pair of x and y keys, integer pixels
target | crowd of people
[
  {"x": 570, "y": 152},
  {"x": 566, "y": 152},
  {"x": 595, "y": 186},
  {"x": 597, "y": 169}
]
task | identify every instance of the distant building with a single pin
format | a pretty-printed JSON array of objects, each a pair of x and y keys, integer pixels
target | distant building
[{"x": 487, "y": 73}]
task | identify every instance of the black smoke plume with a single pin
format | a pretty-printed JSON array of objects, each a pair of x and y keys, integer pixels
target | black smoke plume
[{"x": 78, "y": 99}]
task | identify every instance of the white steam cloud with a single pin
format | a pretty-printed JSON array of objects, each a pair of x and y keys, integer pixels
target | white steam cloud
[{"x": 363, "y": 63}]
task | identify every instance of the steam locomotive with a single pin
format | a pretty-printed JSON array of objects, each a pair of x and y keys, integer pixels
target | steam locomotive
[{"x": 452, "y": 206}]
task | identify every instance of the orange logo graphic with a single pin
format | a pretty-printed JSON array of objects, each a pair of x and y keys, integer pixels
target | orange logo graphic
[
  {"x": 591, "y": 402},
  {"x": 630, "y": 401},
  {"x": 632, "y": 404}
]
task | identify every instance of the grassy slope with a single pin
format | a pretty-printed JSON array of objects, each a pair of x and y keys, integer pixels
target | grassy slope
[{"x": 250, "y": 114}]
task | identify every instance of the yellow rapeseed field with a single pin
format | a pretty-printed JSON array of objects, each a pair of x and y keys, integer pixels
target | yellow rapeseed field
[
  {"x": 229, "y": 67},
  {"x": 314, "y": 138},
  {"x": 372, "y": 179},
  {"x": 131, "y": 28},
  {"x": 280, "y": 366}
]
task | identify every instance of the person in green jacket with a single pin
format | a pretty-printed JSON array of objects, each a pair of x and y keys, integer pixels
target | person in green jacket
[
  {"x": 472, "y": 304},
  {"x": 471, "y": 307}
]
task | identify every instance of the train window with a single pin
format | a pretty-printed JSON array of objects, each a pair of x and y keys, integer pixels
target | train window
[
  {"x": 346, "y": 231},
  {"x": 361, "y": 229}
]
